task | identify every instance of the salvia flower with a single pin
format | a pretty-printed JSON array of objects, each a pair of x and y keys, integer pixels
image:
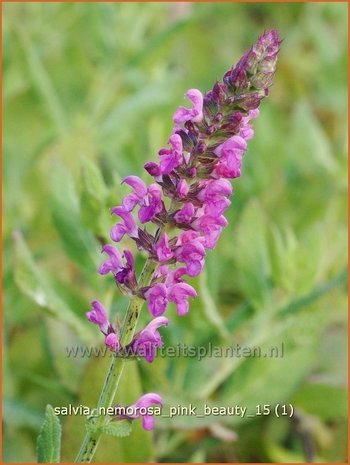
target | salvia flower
[
  {"x": 194, "y": 114},
  {"x": 157, "y": 299},
  {"x": 147, "y": 341},
  {"x": 122, "y": 267},
  {"x": 145, "y": 408},
  {"x": 191, "y": 189},
  {"x": 177, "y": 217},
  {"x": 171, "y": 158},
  {"x": 126, "y": 226},
  {"x": 98, "y": 316}
]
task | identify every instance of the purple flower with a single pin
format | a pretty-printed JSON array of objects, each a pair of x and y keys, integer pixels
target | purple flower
[
  {"x": 255, "y": 70},
  {"x": 163, "y": 251},
  {"x": 185, "y": 203},
  {"x": 152, "y": 204},
  {"x": 127, "y": 274},
  {"x": 127, "y": 226},
  {"x": 186, "y": 214},
  {"x": 171, "y": 158},
  {"x": 182, "y": 189},
  {"x": 123, "y": 273},
  {"x": 268, "y": 45},
  {"x": 112, "y": 342},
  {"x": 170, "y": 276},
  {"x": 143, "y": 408},
  {"x": 140, "y": 192},
  {"x": 230, "y": 154},
  {"x": 188, "y": 236},
  {"x": 179, "y": 294},
  {"x": 205, "y": 149},
  {"x": 190, "y": 192},
  {"x": 246, "y": 130},
  {"x": 175, "y": 276},
  {"x": 211, "y": 227},
  {"x": 157, "y": 299},
  {"x": 149, "y": 198},
  {"x": 153, "y": 169},
  {"x": 148, "y": 340},
  {"x": 214, "y": 196},
  {"x": 194, "y": 114},
  {"x": 161, "y": 272},
  {"x": 98, "y": 316},
  {"x": 192, "y": 254},
  {"x": 114, "y": 263}
]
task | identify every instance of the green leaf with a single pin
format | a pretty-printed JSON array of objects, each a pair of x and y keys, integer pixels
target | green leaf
[
  {"x": 77, "y": 240},
  {"x": 257, "y": 380},
  {"x": 118, "y": 428},
  {"x": 312, "y": 151},
  {"x": 295, "y": 262},
  {"x": 210, "y": 308},
  {"x": 49, "y": 439},
  {"x": 34, "y": 284},
  {"x": 327, "y": 402},
  {"x": 251, "y": 255},
  {"x": 42, "y": 81},
  {"x": 93, "y": 180},
  {"x": 68, "y": 370},
  {"x": 94, "y": 213}
]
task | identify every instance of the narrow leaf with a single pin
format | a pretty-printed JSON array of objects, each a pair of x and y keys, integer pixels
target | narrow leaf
[
  {"x": 49, "y": 439},
  {"x": 211, "y": 311},
  {"x": 77, "y": 240},
  {"x": 34, "y": 284}
]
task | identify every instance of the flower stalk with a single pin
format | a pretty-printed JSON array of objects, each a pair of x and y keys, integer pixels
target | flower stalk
[
  {"x": 115, "y": 371},
  {"x": 186, "y": 202}
]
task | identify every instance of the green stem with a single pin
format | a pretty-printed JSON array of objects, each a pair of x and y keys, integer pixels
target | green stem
[{"x": 92, "y": 439}]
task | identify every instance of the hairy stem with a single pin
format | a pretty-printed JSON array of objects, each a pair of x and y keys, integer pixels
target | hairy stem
[{"x": 92, "y": 438}]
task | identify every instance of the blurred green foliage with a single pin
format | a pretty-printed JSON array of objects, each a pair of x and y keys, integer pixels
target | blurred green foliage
[{"x": 89, "y": 93}]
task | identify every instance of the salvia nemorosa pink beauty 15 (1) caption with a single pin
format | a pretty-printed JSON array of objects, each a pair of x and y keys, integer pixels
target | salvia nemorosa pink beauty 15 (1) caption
[{"x": 176, "y": 218}]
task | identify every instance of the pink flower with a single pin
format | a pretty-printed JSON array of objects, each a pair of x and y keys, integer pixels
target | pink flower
[
  {"x": 157, "y": 299},
  {"x": 114, "y": 263},
  {"x": 192, "y": 254},
  {"x": 153, "y": 169},
  {"x": 186, "y": 214},
  {"x": 175, "y": 276},
  {"x": 127, "y": 226},
  {"x": 230, "y": 154},
  {"x": 148, "y": 340},
  {"x": 112, "y": 342},
  {"x": 188, "y": 236},
  {"x": 142, "y": 409},
  {"x": 171, "y": 158},
  {"x": 161, "y": 272},
  {"x": 211, "y": 227},
  {"x": 246, "y": 130},
  {"x": 194, "y": 114},
  {"x": 152, "y": 204},
  {"x": 148, "y": 197},
  {"x": 140, "y": 191},
  {"x": 127, "y": 274},
  {"x": 214, "y": 196},
  {"x": 179, "y": 293},
  {"x": 98, "y": 316},
  {"x": 163, "y": 251},
  {"x": 182, "y": 189}
]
